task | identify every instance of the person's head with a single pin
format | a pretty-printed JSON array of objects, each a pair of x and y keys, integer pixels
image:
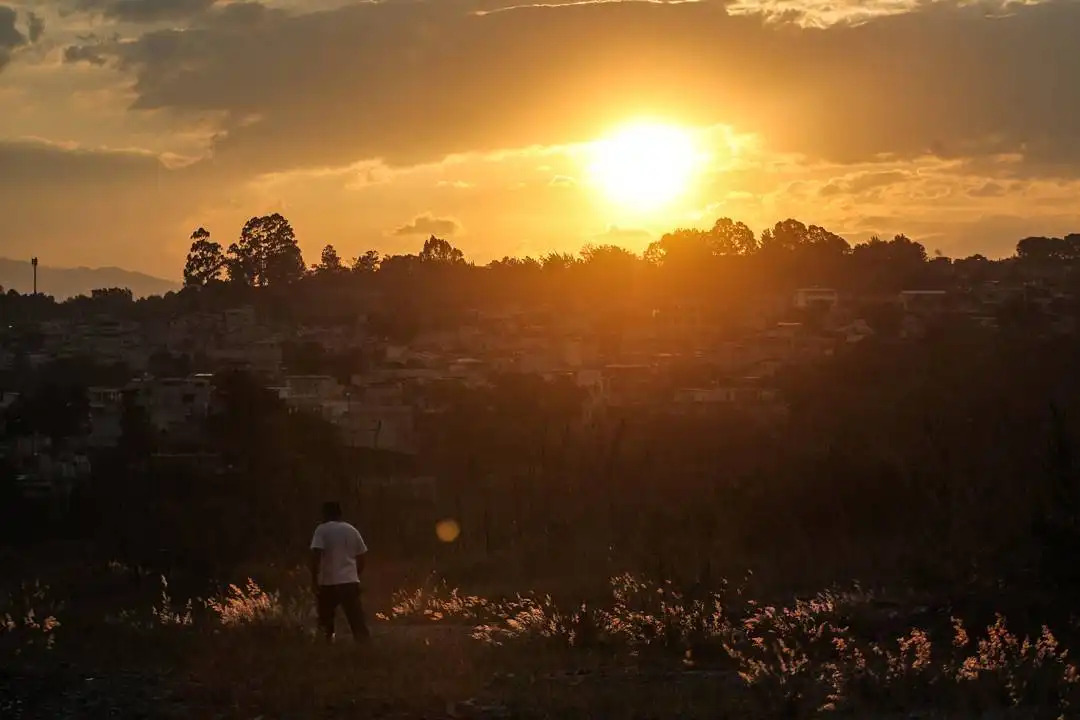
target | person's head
[{"x": 331, "y": 510}]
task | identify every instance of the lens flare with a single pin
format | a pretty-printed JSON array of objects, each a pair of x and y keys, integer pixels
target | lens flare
[{"x": 447, "y": 530}]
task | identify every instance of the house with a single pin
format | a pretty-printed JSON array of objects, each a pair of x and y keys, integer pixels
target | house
[
  {"x": 924, "y": 302},
  {"x": 261, "y": 356},
  {"x": 816, "y": 299},
  {"x": 175, "y": 406},
  {"x": 106, "y": 416},
  {"x": 322, "y": 395}
]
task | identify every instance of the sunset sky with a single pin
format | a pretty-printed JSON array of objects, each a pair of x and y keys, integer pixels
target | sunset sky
[{"x": 126, "y": 124}]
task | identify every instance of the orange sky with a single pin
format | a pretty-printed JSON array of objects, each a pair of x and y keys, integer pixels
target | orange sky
[{"x": 125, "y": 124}]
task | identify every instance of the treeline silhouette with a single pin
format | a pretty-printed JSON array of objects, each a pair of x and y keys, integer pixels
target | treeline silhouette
[{"x": 722, "y": 271}]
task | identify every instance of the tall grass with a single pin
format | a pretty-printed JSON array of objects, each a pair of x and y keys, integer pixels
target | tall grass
[
  {"x": 28, "y": 619},
  {"x": 803, "y": 658}
]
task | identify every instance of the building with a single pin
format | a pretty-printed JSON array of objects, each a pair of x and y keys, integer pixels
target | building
[
  {"x": 816, "y": 299},
  {"x": 175, "y": 406},
  {"x": 106, "y": 416},
  {"x": 924, "y": 302}
]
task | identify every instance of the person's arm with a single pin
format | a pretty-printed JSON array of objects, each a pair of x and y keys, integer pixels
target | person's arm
[{"x": 360, "y": 564}]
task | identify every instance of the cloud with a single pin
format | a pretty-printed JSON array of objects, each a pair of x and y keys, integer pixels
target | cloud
[
  {"x": 862, "y": 182},
  {"x": 35, "y": 27},
  {"x": 95, "y": 205},
  {"x": 145, "y": 11},
  {"x": 90, "y": 54},
  {"x": 47, "y": 164},
  {"x": 499, "y": 6},
  {"x": 988, "y": 189},
  {"x": 821, "y": 14},
  {"x": 390, "y": 79},
  {"x": 329, "y": 107},
  {"x": 429, "y": 225},
  {"x": 10, "y": 37}
]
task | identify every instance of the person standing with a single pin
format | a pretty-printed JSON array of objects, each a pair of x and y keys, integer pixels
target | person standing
[{"x": 337, "y": 562}]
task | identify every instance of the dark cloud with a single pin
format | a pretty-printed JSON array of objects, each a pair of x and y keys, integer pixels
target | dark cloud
[
  {"x": 988, "y": 189},
  {"x": 410, "y": 82},
  {"x": 863, "y": 182},
  {"x": 145, "y": 11},
  {"x": 93, "y": 54},
  {"x": 10, "y": 37},
  {"x": 42, "y": 164},
  {"x": 35, "y": 27},
  {"x": 429, "y": 225}
]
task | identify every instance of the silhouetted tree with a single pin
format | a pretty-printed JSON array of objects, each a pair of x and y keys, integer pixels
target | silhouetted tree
[
  {"x": 608, "y": 256},
  {"x": 113, "y": 294},
  {"x": 972, "y": 269},
  {"x": 890, "y": 265},
  {"x": 205, "y": 260},
  {"x": 513, "y": 263},
  {"x": 366, "y": 263},
  {"x": 437, "y": 250},
  {"x": 687, "y": 247},
  {"x": 1042, "y": 249},
  {"x": 329, "y": 262},
  {"x": 55, "y": 410},
  {"x": 555, "y": 262},
  {"x": 787, "y": 235},
  {"x": 680, "y": 247},
  {"x": 267, "y": 253},
  {"x": 730, "y": 237}
]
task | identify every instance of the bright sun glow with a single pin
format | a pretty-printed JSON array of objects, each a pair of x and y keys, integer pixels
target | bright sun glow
[{"x": 644, "y": 166}]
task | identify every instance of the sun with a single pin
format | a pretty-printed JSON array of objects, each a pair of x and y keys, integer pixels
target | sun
[{"x": 644, "y": 166}]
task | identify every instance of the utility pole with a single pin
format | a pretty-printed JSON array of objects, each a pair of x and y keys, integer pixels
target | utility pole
[{"x": 33, "y": 261}]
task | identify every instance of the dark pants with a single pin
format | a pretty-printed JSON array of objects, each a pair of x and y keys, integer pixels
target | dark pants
[{"x": 348, "y": 597}]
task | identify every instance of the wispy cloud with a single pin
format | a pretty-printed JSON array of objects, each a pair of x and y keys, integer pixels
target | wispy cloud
[
  {"x": 827, "y": 13},
  {"x": 577, "y": 3}
]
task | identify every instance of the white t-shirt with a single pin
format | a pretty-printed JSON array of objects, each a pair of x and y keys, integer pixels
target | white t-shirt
[{"x": 340, "y": 543}]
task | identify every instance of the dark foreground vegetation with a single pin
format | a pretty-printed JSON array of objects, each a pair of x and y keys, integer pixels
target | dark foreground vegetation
[
  {"x": 638, "y": 650},
  {"x": 905, "y": 541},
  {"x": 947, "y": 489}
]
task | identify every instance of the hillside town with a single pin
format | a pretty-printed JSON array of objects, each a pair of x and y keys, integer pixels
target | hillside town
[{"x": 388, "y": 395}]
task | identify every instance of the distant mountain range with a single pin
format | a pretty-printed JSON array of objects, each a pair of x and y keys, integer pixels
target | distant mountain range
[{"x": 63, "y": 283}]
